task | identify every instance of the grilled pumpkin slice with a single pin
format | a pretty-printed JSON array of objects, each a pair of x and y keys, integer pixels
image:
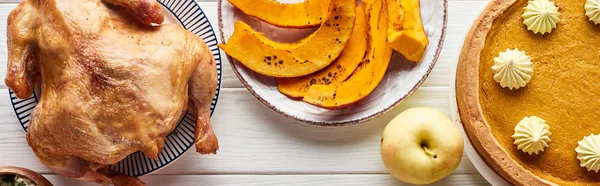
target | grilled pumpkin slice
[
  {"x": 286, "y": 60},
  {"x": 370, "y": 72},
  {"x": 309, "y": 13},
  {"x": 405, "y": 33},
  {"x": 340, "y": 69}
]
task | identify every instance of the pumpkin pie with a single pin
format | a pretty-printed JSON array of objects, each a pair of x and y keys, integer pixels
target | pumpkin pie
[{"x": 564, "y": 90}]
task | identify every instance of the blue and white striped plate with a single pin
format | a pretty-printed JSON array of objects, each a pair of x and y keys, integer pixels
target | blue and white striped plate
[{"x": 189, "y": 15}]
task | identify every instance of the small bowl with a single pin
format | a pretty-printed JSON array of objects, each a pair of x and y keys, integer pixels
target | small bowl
[
  {"x": 401, "y": 80},
  {"x": 29, "y": 174}
]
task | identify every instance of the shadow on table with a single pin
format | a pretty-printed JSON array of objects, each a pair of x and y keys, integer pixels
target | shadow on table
[{"x": 349, "y": 133}]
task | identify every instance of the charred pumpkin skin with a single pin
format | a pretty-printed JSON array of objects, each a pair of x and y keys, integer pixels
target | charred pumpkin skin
[
  {"x": 405, "y": 33},
  {"x": 309, "y": 13},
  {"x": 369, "y": 73},
  {"x": 340, "y": 69},
  {"x": 286, "y": 60}
]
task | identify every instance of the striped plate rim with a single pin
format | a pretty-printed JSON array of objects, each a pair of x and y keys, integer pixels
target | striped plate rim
[{"x": 191, "y": 17}]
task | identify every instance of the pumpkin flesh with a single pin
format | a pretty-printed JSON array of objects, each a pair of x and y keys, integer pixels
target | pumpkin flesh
[
  {"x": 405, "y": 33},
  {"x": 340, "y": 69},
  {"x": 286, "y": 60},
  {"x": 369, "y": 73},
  {"x": 309, "y": 13}
]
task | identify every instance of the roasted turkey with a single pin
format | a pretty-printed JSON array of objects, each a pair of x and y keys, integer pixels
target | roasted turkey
[{"x": 113, "y": 81}]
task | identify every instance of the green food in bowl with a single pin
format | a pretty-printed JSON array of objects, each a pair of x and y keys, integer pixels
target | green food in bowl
[{"x": 16, "y": 180}]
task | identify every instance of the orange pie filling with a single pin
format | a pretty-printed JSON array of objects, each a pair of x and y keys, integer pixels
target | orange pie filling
[{"x": 564, "y": 89}]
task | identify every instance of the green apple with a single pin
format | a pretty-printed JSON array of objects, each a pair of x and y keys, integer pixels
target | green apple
[{"x": 421, "y": 146}]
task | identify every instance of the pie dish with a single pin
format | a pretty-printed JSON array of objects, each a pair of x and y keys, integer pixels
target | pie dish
[{"x": 562, "y": 92}]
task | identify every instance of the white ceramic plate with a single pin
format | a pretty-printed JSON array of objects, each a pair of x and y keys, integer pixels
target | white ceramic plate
[{"x": 402, "y": 79}]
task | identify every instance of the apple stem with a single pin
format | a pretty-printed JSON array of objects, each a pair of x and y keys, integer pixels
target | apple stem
[{"x": 428, "y": 152}]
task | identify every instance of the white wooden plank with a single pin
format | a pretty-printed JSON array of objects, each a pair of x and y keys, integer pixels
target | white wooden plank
[
  {"x": 288, "y": 180},
  {"x": 253, "y": 139},
  {"x": 458, "y": 24},
  {"x": 4, "y": 11}
]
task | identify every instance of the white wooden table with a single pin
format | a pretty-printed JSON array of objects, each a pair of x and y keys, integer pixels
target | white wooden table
[{"x": 259, "y": 147}]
